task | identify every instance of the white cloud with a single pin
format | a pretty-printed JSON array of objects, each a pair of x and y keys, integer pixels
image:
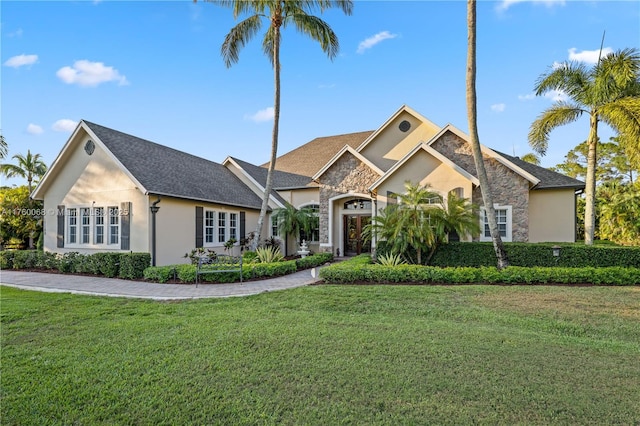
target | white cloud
[
  {"x": 64, "y": 125},
  {"x": 498, "y": 107},
  {"x": 526, "y": 97},
  {"x": 556, "y": 96},
  {"x": 261, "y": 116},
  {"x": 34, "y": 129},
  {"x": 16, "y": 33},
  {"x": 21, "y": 60},
  {"x": 506, "y": 4},
  {"x": 588, "y": 56},
  {"x": 90, "y": 74},
  {"x": 373, "y": 40}
]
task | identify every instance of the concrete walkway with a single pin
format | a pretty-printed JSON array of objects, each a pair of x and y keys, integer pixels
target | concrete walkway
[{"x": 100, "y": 286}]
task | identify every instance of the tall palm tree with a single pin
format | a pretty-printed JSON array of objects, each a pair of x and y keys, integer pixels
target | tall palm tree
[
  {"x": 472, "y": 115},
  {"x": 279, "y": 14},
  {"x": 29, "y": 167},
  {"x": 608, "y": 92}
]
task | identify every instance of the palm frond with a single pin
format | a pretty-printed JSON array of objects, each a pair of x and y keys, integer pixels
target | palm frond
[
  {"x": 318, "y": 30},
  {"x": 238, "y": 37},
  {"x": 557, "y": 115}
]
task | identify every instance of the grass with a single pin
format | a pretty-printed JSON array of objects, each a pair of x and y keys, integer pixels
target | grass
[{"x": 325, "y": 355}]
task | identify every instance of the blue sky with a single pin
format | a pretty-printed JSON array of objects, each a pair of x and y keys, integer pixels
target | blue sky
[{"x": 153, "y": 69}]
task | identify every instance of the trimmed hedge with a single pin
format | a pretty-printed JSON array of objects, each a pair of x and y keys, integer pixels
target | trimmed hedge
[
  {"x": 361, "y": 270},
  {"x": 572, "y": 255},
  {"x": 187, "y": 273},
  {"x": 123, "y": 265}
]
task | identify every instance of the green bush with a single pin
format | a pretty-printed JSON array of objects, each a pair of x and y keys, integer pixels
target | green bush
[
  {"x": 107, "y": 264},
  {"x": 249, "y": 256},
  {"x": 159, "y": 274},
  {"x": 313, "y": 260},
  {"x": 6, "y": 259},
  {"x": 186, "y": 273},
  {"x": 572, "y": 255},
  {"x": 132, "y": 265},
  {"x": 356, "y": 271}
]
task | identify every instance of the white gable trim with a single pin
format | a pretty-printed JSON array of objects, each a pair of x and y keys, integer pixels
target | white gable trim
[
  {"x": 229, "y": 161},
  {"x": 491, "y": 153},
  {"x": 340, "y": 153},
  {"x": 403, "y": 108},
  {"x": 423, "y": 146},
  {"x": 70, "y": 144}
]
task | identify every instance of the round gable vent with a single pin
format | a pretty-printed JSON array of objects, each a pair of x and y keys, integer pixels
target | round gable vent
[
  {"x": 89, "y": 147},
  {"x": 404, "y": 126}
]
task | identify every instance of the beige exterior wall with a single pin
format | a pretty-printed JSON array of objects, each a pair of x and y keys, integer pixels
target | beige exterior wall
[
  {"x": 552, "y": 216},
  {"x": 176, "y": 228},
  {"x": 391, "y": 144},
  {"x": 93, "y": 181}
]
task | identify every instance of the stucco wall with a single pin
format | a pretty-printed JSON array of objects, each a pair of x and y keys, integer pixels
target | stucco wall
[
  {"x": 552, "y": 216},
  {"x": 391, "y": 144},
  {"x": 93, "y": 181}
]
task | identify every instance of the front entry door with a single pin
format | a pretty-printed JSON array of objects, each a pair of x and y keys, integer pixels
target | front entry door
[{"x": 353, "y": 243}]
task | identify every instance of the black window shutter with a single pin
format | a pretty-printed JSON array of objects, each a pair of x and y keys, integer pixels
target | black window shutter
[
  {"x": 199, "y": 226},
  {"x": 125, "y": 218},
  {"x": 243, "y": 230},
  {"x": 60, "y": 237}
]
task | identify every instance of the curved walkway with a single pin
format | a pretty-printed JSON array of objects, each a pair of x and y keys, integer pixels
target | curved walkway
[{"x": 100, "y": 286}]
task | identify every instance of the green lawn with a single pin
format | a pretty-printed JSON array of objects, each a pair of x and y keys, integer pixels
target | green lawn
[{"x": 325, "y": 355}]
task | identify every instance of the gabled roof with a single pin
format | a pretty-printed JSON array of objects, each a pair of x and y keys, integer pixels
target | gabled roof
[
  {"x": 425, "y": 147},
  {"x": 355, "y": 153},
  {"x": 488, "y": 151},
  {"x": 403, "y": 108},
  {"x": 548, "y": 178},
  {"x": 161, "y": 170},
  {"x": 308, "y": 159},
  {"x": 281, "y": 180}
]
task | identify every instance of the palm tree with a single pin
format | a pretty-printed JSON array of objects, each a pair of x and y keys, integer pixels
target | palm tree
[
  {"x": 608, "y": 92},
  {"x": 422, "y": 220},
  {"x": 291, "y": 221},
  {"x": 4, "y": 148},
  {"x": 472, "y": 115},
  {"x": 279, "y": 14},
  {"x": 532, "y": 158},
  {"x": 30, "y": 167}
]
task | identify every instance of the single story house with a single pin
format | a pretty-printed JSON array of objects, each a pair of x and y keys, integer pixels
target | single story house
[{"x": 108, "y": 190}]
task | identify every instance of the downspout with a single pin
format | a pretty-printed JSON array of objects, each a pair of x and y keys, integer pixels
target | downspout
[{"x": 154, "y": 209}]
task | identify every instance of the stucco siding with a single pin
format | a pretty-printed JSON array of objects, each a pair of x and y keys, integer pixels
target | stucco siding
[
  {"x": 391, "y": 144},
  {"x": 94, "y": 181},
  {"x": 552, "y": 216}
]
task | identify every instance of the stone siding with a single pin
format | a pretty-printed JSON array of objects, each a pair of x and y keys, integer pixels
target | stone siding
[
  {"x": 348, "y": 174},
  {"x": 507, "y": 187}
]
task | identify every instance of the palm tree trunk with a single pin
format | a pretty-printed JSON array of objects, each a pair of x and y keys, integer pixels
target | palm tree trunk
[
  {"x": 274, "y": 137},
  {"x": 590, "y": 185},
  {"x": 487, "y": 198}
]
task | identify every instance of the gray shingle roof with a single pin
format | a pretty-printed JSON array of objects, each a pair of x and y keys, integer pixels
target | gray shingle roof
[
  {"x": 281, "y": 180},
  {"x": 167, "y": 171},
  {"x": 548, "y": 178}
]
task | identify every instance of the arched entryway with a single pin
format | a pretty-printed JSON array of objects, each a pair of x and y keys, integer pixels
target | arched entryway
[{"x": 356, "y": 215}]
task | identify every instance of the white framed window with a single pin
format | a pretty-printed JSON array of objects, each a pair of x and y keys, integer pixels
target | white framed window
[
  {"x": 274, "y": 226},
  {"x": 99, "y": 225},
  {"x": 209, "y": 226},
  {"x": 219, "y": 227},
  {"x": 85, "y": 228},
  {"x": 72, "y": 232},
  {"x": 503, "y": 218},
  {"x": 314, "y": 234},
  {"x": 233, "y": 226},
  {"x": 114, "y": 225}
]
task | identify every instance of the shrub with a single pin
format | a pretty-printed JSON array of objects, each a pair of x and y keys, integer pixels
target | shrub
[
  {"x": 186, "y": 273},
  {"x": 25, "y": 259},
  {"x": 249, "y": 256},
  {"x": 6, "y": 259},
  {"x": 107, "y": 264},
  {"x": 160, "y": 274},
  {"x": 390, "y": 259},
  {"x": 313, "y": 260},
  {"x": 67, "y": 262},
  {"x": 132, "y": 265},
  {"x": 354, "y": 271}
]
